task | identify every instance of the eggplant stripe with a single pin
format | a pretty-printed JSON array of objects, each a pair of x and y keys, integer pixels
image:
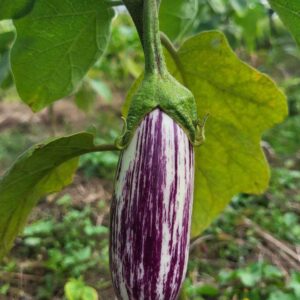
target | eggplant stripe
[{"x": 151, "y": 211}]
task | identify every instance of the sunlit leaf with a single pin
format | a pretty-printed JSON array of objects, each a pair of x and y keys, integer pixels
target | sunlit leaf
[
  {"x": 242, "y": 103},
  {"x": 57, "y": 42}
]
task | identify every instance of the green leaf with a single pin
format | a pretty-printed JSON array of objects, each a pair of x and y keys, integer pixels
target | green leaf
[
  {"x": 85, "y": 97},
  {"x": 43, "y": 169},
  {"x": 78, "y": 290},
  {"x": 90, "y": 89},
  {"x": 176, "y": 16},
  {"x": 13, "y": 9},
  {"x": 251, "y": 24},
  {"x": 218, "y": 6},
  {"x": 294, "y": 283},
  {"x": 56, "y": 45},
  {"x": 289, "y": 13},
  {"x": 242, "y": 103},
  {"x": 203, "y": 290},
  {"x": 251, "y": 275},
  {"x": 271, "y": 272},
  {"x": 279, "y": 295}
]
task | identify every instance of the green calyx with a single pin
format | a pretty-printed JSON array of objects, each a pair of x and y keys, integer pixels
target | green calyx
[
  {"x": 166, "y": 93},
  {"x": 159, "y": 89}
]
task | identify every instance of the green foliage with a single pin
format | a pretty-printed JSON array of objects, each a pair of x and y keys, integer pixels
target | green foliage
[
  {"x": 55, "y": 241},
  {"x": 243, "y": 24},
  {"x": 72, "y": 243},
  {"x": 56, "y": 45},
  {"x": 252, "y": 23},
  {"x": 252, "y": 275},
  {"x": 15, "y": 9},
  {"x": 289, "y": 13},
  {"x": 48, "y": 167},
  {"x": 69, "y": 244},
  {"x": 87, "y": 95},
  {"x": 242, "y": 103},
  {"x": 99, "y": 164},
  {"x": 294, "y": 283},
  {"x": 77, "y": 290},
  {"x": 124, "y": 57},
  {"x": 258, "y": 280},
  {"x": 280, "y": 218},
  {"x": 176, "y": 16}
]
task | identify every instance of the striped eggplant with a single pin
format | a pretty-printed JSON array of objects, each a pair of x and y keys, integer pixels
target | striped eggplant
[{"x": 151, "y": 211}]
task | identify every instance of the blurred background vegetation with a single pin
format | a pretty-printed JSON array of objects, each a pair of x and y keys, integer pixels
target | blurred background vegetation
[{"x": 252, "y": 251}]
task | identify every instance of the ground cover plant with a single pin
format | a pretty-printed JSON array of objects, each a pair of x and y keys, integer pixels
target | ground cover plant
[{"x": 240, "y": 103}]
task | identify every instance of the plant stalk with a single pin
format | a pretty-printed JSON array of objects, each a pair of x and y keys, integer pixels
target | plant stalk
[
  {"x": 166, "y": 42},
  {"x": 154, "y": 59}
]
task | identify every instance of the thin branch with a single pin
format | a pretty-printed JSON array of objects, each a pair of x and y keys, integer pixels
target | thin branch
[
  {"x": 166, "y": 42},
  {"x": 199, "y": 240}
]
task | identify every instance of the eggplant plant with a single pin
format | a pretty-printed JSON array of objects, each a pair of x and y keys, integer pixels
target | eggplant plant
[{"x": 169, "y": 183}]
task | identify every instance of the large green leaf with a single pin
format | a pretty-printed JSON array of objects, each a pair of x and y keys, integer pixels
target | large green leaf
[
  {"x": 242, "y": 103},
  {"x": 13, "y": 9},
  {"x": 57, "y": 42},
  {"x": 43, "y": 169},
  {"x": 289, "y": 13},
  {"x": 176, "y": 16}
]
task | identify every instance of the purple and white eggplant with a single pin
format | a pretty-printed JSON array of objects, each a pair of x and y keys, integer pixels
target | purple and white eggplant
[{"x": 151, "y": 211}]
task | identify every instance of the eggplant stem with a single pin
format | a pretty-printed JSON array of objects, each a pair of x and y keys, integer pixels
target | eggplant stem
[
  {"x": 166, "y": 42},
  {"x": 154, "y": 58}
]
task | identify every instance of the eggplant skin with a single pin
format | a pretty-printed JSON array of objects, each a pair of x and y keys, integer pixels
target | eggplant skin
[{"x": 151, "y": 211}]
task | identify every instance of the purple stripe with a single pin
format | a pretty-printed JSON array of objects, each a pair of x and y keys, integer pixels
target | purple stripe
[{"x": 151, "y": 211}]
